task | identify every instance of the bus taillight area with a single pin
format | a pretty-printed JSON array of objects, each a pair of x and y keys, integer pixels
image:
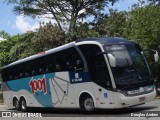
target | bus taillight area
[{"x": 122, "y": 100}]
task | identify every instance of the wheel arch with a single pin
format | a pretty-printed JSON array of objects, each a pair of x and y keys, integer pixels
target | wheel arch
[
  {"x": 22, "y": 97},
  {"x": 13, "y": 100},
  {"x": 86, "y": 93}
]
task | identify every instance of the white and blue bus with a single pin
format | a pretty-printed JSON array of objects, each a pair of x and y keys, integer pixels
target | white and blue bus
[{"x": 90, "y": 73}]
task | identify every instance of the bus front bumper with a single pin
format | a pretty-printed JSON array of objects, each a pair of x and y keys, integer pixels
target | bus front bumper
[{"x": 122, "y": 101}]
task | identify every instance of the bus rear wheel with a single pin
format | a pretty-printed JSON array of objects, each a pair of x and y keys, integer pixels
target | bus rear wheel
[
  {"x": 87, "y": 104},
  {"x": 23, "y": 105},
  {"x": 16, "y": 104}
]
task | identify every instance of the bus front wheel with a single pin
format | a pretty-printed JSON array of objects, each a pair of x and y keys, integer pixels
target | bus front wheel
[
  {"x": 23, "y": 105},
  {"x": 87, "y": 104}
]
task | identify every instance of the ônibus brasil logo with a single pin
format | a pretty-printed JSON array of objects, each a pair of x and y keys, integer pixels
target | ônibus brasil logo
[{"x": 38, "y": 85}]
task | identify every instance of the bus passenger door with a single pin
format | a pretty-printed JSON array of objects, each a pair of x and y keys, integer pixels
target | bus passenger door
[{"x": 105, "y": 97}]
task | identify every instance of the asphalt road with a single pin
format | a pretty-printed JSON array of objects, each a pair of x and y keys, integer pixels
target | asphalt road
[{"x": 120, "y": 114}]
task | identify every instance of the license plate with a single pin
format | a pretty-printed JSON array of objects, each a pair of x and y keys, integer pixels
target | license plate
[{"x": 142, "y": 99}]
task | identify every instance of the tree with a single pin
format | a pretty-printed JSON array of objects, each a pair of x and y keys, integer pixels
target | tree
[
  {"x": 4, "y": 34},
  {"x": 112, "y": 24},
  {"x": 5, "y": 47},
  {"x": 144, "y": 27},
  {"x": 13, "y": 48},
  {"x": 22, "y": 47},
  {"x": 155, "y": 1},
  {"x": 47, "y": 37},
  {"x": 84, "y": 30},
  {"x": 64, "y": 12}
]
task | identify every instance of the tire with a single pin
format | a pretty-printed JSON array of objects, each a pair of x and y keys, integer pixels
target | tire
[
  {"x": 23, "y": 105},
  {"x": 17, "y": 105},
  {"x": 87, "y": 105}
]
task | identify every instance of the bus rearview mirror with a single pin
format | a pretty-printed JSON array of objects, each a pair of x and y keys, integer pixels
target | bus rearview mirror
[
  {"x": 156, "y": 56},
  {"x": 112, "y": 60},
  {"x": 155, "y": 53}
]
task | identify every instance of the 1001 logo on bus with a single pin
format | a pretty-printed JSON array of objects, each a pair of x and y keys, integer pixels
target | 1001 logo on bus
[{"x": 38, "y": 85}]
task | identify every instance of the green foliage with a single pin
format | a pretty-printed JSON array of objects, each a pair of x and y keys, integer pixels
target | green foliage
[
  {"x": 4, "y": 35},
  {"x": 18, "y": 50},
  {"x": 47, "y": 37},
  {"x": 112, "y": 24},
  {"x": 144, "y": 27},
  {"x": 82, "y": 30},
  {"x": 13, "y": 48}
]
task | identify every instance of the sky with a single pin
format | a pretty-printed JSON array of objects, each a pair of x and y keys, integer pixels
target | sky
[{"x": 14, "y": 24}]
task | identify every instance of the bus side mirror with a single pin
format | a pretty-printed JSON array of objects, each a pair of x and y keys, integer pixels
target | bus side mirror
[
  {"x": 155, "y": 53},
  {"x": 112, "y": 60},
  {"x": 156, "y": 56}
]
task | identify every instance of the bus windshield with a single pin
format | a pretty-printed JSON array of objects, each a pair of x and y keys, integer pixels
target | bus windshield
[{"x": 131, "y": 66}]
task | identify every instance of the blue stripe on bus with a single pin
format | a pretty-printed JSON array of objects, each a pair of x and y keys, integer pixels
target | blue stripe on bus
[{"x": 24, "y": 84}]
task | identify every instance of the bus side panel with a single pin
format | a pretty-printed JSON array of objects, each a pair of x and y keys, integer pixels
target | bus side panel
[
  {"x": 62, "y": 90},
  {"x": 81, "y": 88},
  {"x": 104, "y": 98},
  {"x": 81, "y": 84}
]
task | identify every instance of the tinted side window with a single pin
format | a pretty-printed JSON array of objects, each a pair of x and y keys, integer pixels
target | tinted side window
[
  {"x": 65, "y": 60},
  {"x": 5, "y": 75},
  {"x": 68, "y": 60}
]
